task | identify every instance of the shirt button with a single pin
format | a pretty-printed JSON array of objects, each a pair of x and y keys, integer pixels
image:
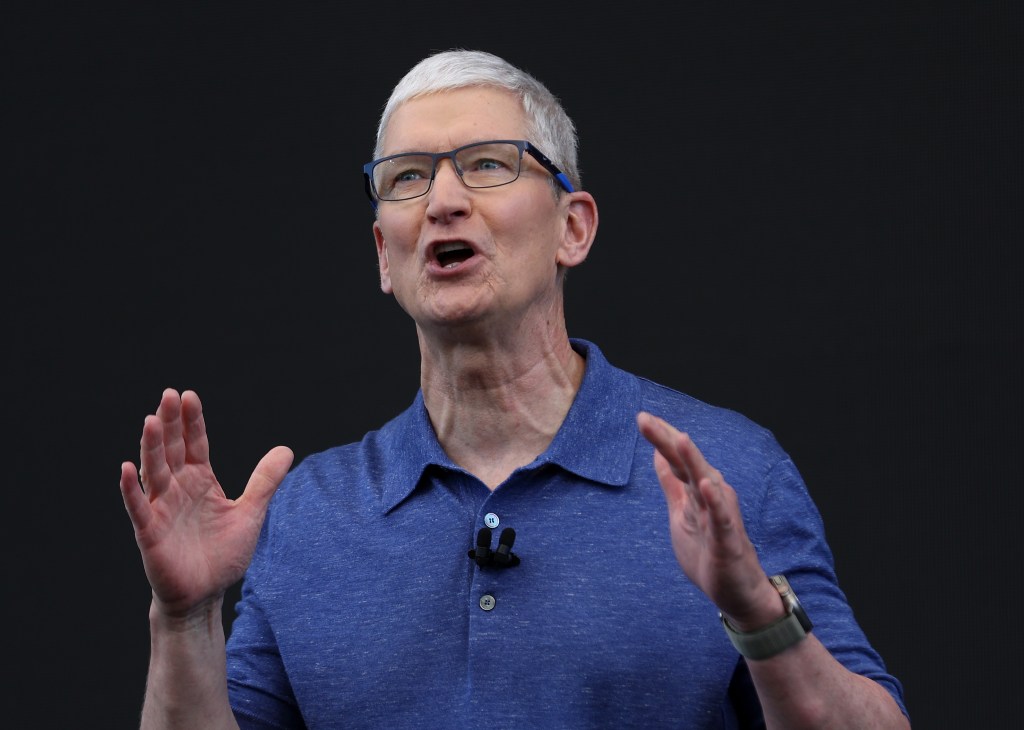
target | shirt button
[
  {"x": 487, "y": 602},
  {"x": 491, "y": 520}
]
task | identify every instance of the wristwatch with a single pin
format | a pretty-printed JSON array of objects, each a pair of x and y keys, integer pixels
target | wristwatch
[{"x": 777, "y": 637}]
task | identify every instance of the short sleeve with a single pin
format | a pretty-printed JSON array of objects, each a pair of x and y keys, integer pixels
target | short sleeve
[
  {"x": 789, "y": 536},
  {"x": 258, "y": 686}
]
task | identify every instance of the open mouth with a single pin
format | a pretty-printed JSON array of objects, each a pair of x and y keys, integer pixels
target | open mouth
[{"x": 450, "y": 255}]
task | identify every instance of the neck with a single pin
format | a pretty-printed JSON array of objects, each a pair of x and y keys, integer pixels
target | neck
[{"x": 497, "y": 404}]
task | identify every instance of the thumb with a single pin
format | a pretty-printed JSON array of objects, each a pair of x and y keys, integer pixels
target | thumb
[{"x": 266, "y": 478}]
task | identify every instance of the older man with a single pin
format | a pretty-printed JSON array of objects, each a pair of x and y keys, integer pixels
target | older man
[{"x": 374, "y": 594}]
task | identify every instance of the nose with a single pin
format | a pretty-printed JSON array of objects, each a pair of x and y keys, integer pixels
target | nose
[{"x": 448, "y": 195}]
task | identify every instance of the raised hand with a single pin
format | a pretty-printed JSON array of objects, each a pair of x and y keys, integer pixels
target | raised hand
[
  {"x": 707, "y": 530},
  {"x": 195, "y": 542}
]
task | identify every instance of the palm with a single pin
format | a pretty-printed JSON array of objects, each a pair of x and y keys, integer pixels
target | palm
[{"x": 195, "y": 542}]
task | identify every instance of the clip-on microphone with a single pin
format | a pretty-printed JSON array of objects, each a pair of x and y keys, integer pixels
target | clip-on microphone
[
  {"x": 482, "y": 553},
  {"x": 503, "y": 557}
]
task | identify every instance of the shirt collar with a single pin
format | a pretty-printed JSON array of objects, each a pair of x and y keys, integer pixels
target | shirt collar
[{"x": 596, "y": 441}]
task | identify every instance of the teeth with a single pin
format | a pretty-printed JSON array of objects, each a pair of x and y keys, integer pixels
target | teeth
[{"x": 451, "y": 246}]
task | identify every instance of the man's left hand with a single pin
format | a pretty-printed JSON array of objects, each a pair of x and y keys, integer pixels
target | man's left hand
[{"x": 707, "y": 530}]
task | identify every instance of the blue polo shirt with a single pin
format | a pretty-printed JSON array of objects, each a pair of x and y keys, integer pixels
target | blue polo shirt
[{"x": 363, "y": 609}]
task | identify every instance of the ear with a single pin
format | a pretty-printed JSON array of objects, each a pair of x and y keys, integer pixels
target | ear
[
  {"x": 580, "y": 228},
  {"x": 382, "y": 259}
]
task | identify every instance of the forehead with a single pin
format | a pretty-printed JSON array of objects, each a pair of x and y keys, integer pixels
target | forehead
[{"x": 448, "y": 119}]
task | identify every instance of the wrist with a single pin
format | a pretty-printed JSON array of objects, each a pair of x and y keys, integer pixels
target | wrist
[
  {"x": 776, "y": 637},
  {"x": 197, "y": 618},
  {"x": 764, "y": 610}
]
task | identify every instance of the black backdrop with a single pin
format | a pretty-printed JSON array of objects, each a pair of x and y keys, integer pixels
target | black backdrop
[{"x": 835, "y": 254}]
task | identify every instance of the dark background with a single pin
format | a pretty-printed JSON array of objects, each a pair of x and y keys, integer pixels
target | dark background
[{"x": 809, "y": 213}]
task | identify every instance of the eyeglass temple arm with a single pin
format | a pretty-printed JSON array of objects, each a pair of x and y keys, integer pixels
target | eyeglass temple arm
[
  {"x": 369, "y": 191},
  {"x": 551, "y": 167}
]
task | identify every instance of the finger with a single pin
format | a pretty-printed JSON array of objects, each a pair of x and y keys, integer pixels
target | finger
[
  {"x": 135, "y": 501},
  {"x": 672, "y": 444},
  {"x": 696, "y": 464},
  {"x": 722, "y": 520},
  {"x": 697, "y": 467},
  {"x": 662, "y": 436},
  {"x": 170, "y": 416},
  {"x": 197, "y": 444},
  {"x": 153, "y": 457},
  {"x": 670, "y": 483},
  {"x": 678, "y": 494}
]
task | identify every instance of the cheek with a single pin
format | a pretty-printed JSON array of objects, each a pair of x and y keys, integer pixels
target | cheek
[
  {"x": 400, "y": 229},
  {"x": 539, "y": 242},
  {"x": 532, "y": 218}
]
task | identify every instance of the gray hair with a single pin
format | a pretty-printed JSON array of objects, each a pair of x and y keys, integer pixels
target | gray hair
[{"x": 547, "y": 124}]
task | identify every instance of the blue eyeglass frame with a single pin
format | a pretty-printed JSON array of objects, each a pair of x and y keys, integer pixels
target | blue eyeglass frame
[{"x": 436, "y": 157}]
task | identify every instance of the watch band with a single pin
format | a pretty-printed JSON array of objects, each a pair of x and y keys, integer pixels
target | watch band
[{"x": 778, "y": 636}]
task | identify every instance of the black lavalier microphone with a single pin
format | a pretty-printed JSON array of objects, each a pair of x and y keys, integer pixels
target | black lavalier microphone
[
  {"x": 503, "y": 557},
  {"x": 482, "y": 553}
]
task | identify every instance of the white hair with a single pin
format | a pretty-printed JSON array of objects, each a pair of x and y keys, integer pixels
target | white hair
[{"x": 548, "y": 125}]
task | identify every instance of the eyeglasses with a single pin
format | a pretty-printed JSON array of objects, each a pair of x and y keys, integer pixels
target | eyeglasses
[{"x": 479, "y": 165}]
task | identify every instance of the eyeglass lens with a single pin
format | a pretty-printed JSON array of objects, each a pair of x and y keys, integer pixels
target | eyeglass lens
[{"x": 483, "y": 165}]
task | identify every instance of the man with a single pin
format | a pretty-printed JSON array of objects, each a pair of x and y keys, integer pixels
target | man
[{"x": 375, "y": 595}]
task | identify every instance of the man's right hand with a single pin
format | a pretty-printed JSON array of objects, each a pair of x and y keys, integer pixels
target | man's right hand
[{"x": 195, "y": 542}]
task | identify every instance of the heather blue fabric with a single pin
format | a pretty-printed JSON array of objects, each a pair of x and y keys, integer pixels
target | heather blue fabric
[{"x": 362, "y": 608}]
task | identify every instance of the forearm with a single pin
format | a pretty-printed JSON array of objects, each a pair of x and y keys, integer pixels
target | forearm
[
  {"x": 805, "y": 687},
  {"x": 187, "y": 682}
]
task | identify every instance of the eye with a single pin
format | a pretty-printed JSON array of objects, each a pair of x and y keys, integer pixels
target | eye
[
  {"x": 403, "y": 176},
  {"x": 490, "y": 162},
  {"x": 408, "y": 170},
  {"x": 488, "y": 165},
  {"x": 409, "y": 174}
]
